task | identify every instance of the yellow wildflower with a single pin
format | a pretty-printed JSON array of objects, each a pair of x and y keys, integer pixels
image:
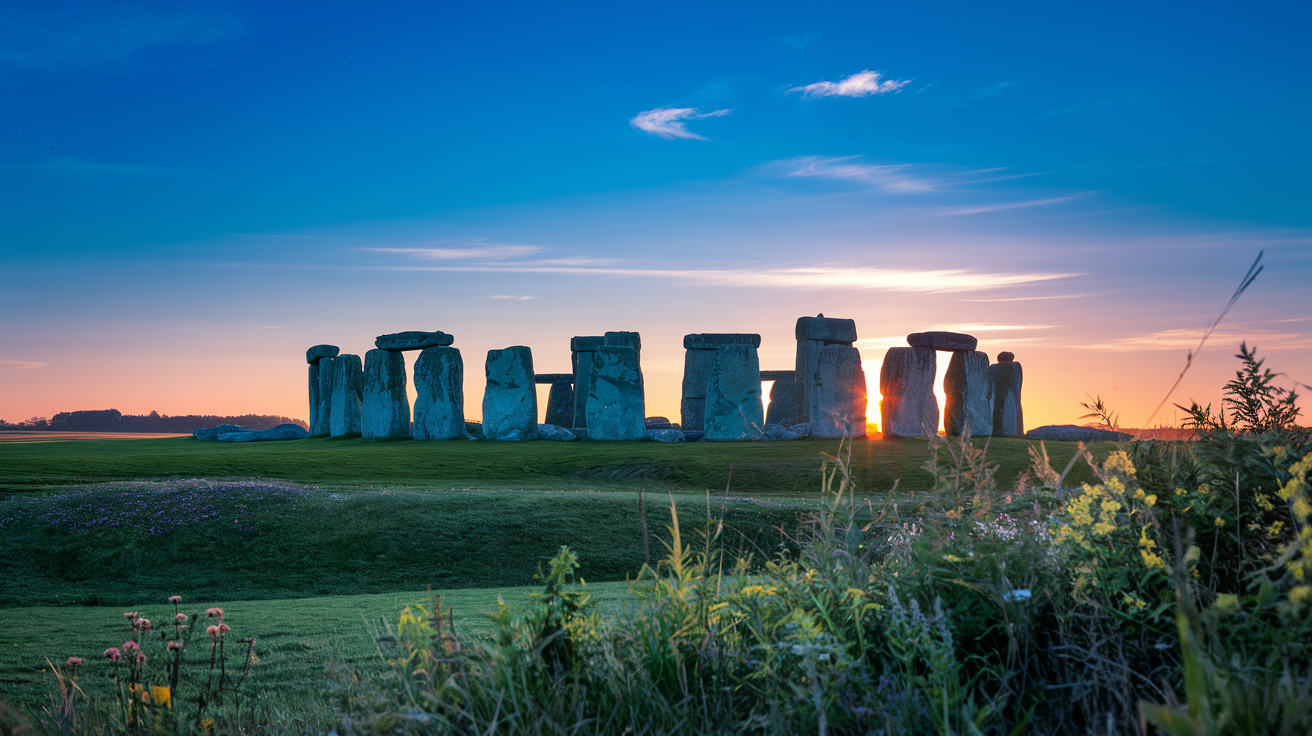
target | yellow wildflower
[
  {"x": 1204, "y": 489},
  {"x": 1264, "y": 501},
  {"x": 1133, "y": 601},
  {"x": 1192, "y": 555},
  {"x": 1150, "y": 500},
  {"x": 1275, "y": 529},
  {"x": 1299, "y": 594},
  {"x": 1227, "y": 603},
  {"x": 1219, "y": 522},
  {"x": 1179, "y": 491},
  {"x": 855, "y": 593},
  {"x": 1102, "y": 528},
  {"x": 1302, "y": 509},
  {"x": 1152, "y": 560},
  {"x": 953, "y": 558},
  {"x": 1144, "y": 541}
]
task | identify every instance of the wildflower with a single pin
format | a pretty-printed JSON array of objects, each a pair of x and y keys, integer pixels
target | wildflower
[
  {"x": 1151, "y": 560},
  {"x": 160, "y": 695},
  {"x": 855, "y": 593},
  {"x": 74, "y": 662},
  {"x": 175, "y": 599},
  {"x": 129, "y": 646},
  {"x": 1227, "y": 603},
  {"x": 141, "y": 660},
  {"x": 113, "y": 654},
  {"x": 181, "y": 618},
  {"x": 1299, "y": 594},
  {"x": 175, "y": 646},
  {"x": 213, "y": 631},
  {"x": 1102, "y": 528},
  {"x": 130, "y": 615},
  {"x": 214, "y": 613},
  {"x": 224, "y": 628},
  {"x": 1131, "y": 600},
  {"x": 953, "y": 558},
  {"x": 1219, "y": 522},
  {"x": 142, "y": 623}
]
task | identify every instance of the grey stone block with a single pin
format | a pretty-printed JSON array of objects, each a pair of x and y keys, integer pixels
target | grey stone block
[
  {"x": 692, "y": 413},
  {"x": 553, "y": 377},
  {"x": 624, "y": 340},
  {"x": 319, "y": 352},
  {"x": 838, "y": 394},
  {"x": 967, "y": 387},
  {"x": 778, "y": 375},
  {"x": 733, "y": 394},
  {"x": 555, "y": 433},
  {"x": 826, "y": 329},
  {"x": 510, "y": 403},
  {"x": 1073, "y": 433},
  {"x": 909, "y": 408},
  {"x": 210, "y": 434},
  {"x": 581, "y": 350},
  {"x": 314, "y": 396},
  {"x": 348, "y": 394},
  {"x": 615, "y": 405},
  {"x": 321, "y": 424},
  {"x": 560, "y": 403},
  {"x": 440, "y": 385},
  {"x": 385, "y": 411},
  {"x": 412, "y": 340},
  {"x": 942, "y": 340},
  {"x": 783, "y": 401},
  {"x": 712, "y": 340},
  {"x": 272, "y": 434},
  {"x": 665, "y": 435},
  {"x": 1004, "y": 383}
]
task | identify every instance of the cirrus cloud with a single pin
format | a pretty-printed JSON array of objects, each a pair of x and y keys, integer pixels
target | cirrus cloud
[
  {"x": 668, "y": 122},
  {"x": 862, "y": 84}
]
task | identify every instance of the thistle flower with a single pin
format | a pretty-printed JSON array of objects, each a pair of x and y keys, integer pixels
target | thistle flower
[
  {"x": 215, "y": 613},
  {"x": 181, "y": 618},
  {"x": 129, "y": 646},
  {"x": 175, "y": 599},
  {"x": 224, "y": 628},
  {"x": 213, "y": 631},
  {"x": 175, "y": 646},
  {"x": 129, "y": 615},
  {"x": 74, "y": 662},
  {"x": 142, "y": 623},
  {"x": 141, "y": 660},
  {"x": 113, "y": 654}
]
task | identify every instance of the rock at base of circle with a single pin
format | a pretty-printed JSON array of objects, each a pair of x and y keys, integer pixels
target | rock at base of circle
[
  {"x": 906, "y": 380},
  {"x": 967, "y": 387},
  {"x": 1073, "y": 433},
  {"x": 347, "y": 397},
  {"x": 665, "y": 435},
  {"x": 555, "y": 433},
  {"x": 321, "y": 420},
  {"x": 657, "y": 423},
  {"x": 440, "y": 388},
  {"x": 212, "y": 433},
  {"x": 838, "y": 394},
  {"x": 272, "y": 434},
  {"x": 780, "y": 432},
  {"x": 560, "y": 403},
  {"x": 733, "y": 394},
  {"x": 801, "y": 430},
  {"x": 510, "y": 401},
  {"x": 385, "y": 410},
  {"x": 474, "y": 430},
  {"x": 1005, "y": 380},
  {"x": 413, "y": 340},
  {"x": 319, "y": 352},
  {"x": 783, "y": 402},
  {"x": 942, "y": 340},
  {"x": 615, "y": 405}
]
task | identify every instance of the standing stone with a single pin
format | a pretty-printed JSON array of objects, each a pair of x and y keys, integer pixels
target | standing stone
[
  {"x": 697, "y": 361},
  {"x": 783, "y": 401},
  {"x": 615, "y": 406},
  {"x": 348, "y": 390},
  {"x": 386, "y": 408},
  {"x": 510, "y": 401},
  {"x": 909, "y": 408},
  {"x": 838, "y": 394},
  {"x": 314, "y": 398},
  {"x": 624, "y": 340},
  {"x": 326, "y": 377},
  {"x": 967, "y": 387},
  {"x": 560, "y": 404},
  {"x": 813, "y": 334},
  {"x": 581, "y": 350},
  {"x": 440, "y": 384},
  {"x": 733, "y": 394},
  {"x": 1004, "y": 385}
]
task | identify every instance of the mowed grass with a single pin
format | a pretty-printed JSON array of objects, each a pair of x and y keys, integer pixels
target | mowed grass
[
  {"x": 310, "y": 650},
  {"x": 757, "y": 467}
]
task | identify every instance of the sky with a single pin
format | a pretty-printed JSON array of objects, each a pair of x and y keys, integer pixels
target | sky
[{"x": 192, "y": 194}]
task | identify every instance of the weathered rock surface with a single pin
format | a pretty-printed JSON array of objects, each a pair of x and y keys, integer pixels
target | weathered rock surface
[
  {"x": 272, "y": 434},
  {"x": 385, "y": 411},
  {"x": 623, "y": 339},
  {"x": 212, "y": 433},
  {"x": 665, "y": 435},
  {"x": 581, "y": 349},
  {"x": 838, "y": 394},
  {"x": 813, "y": 335},
  {"x": 780, "y": 432},
  {"x": 474, "y": 430},
  {"x": 1004, "y": 385},
  {"x": 348, "y": 395},
  {"x": 440, "y": 385},
  {"x": 696, "y": 374},
  {"x": 615, "y": 405},
  {"x": 733, "y": 394},
  {"x": 560, "y": 403},
  {"x": 1073, "y": 433},
  {"x": 778, "y": 375},
  {"x": 802, "y": 430},
  {"x": 321, "y": 420},
  {"x": 692, "y": 413},
  {"x": 510, "y": 403},
  {"x": 967, "y": 387},
  {"x": 909, "y": 408},
  {"x": 942, "y": 340},
  {"x": 319, "y": 352},
  {"x": 555, "y": 433},
  {"x": 1006, "y": 357},
  {"x": 553, "y": 377},
  {"x": 314, "y": 397},
  {"x": 783, "y": 401},
  {"x": 657, "y": 423},
  {"x": 413, "y": 340},
  {"x": 826, "y": 329},
  {"x": 713, "y": 340}
]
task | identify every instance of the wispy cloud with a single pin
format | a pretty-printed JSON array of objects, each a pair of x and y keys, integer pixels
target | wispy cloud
[
  {"x": 862, "y": 84},
  {"x": 1010, "y": 205},
  {"x": 1035, "y": 298},
  {"x": 18, "y": 365},
  {"x": 890, "y": 177},
  {"x": 669, "y": 122},
  {"x": 484, "y": 252},
  {"x": 1187, "y": 340},
  {"x": 510, "y": 297},
  {"x": 57, "y": 41},
  {"x": 975, "y": 327}
]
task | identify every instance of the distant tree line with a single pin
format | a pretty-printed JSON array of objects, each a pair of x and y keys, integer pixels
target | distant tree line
[{"x": 111, "y": 420}]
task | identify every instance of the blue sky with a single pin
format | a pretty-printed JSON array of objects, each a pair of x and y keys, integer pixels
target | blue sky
[{"x": 191, "y": 194}]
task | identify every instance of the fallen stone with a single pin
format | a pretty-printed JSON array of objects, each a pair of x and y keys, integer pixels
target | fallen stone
[
  {"x": 713, "y": 340},
  {"x": 510, "y": 401},
  {"x": 212, "y": 433},
  {"x": 733, "y": 394},
  {"x": 1005, "y": 380},
  {"x": 1073, "y": 433},
  {"x": 780, "y": 432},
  {"x": 967, "y": 387},
  {"x": 440, "y": 399},
  {"x": 942, "y": 340},
  {"x": 474, "y": 430},
  {"x": 413, "y": 340},
  {"x": 690, "y": 435},
  {"x": 826, "y": 329},
  {"x": 555, "y": 433},
  {"x": 838, "y": 395},
  {"x": 319, "y": 352},
  {"x": 802, "y": 430},
  {"x": 615, "y": 406},
  {"x": 560, "y": 403},
  {"x": 385, "y": 410},
  {"x": 657, "y": 423},
  {"x": 665, "y": 435},
  {"x": 272, "y": 434},
  {"x": 347, "y": 397},
  {"x": 906, "y": 380}
]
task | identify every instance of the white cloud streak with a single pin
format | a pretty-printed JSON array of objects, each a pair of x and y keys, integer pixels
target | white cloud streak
[
  {"x": 669, "y": 122},
  {"x": 889, "y": 177},
  {"x": 862, "y": 84},
  {"x": 1010, "y": 206},
  {"x": 510, "y": 297},
  {"x": 489, "y": 252}
]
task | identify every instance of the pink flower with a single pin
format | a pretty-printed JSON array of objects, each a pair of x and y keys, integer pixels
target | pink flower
[
  {"x": 175, "y": 599},
  {"x": 224, "y": 628},
  {"x": 141, "y": 660},
  {"x": 175, "y": 646},
  {"x": 142, "y": 623},
  {"x": 181, "y": 618},
  {"x": 74, "y": 662},
  {"x": 129, "y": 646},
  {"x": 213, "y": 631},
  {"x": 215, "y": 613},
  {"x": 129, "y": 615},
  {"x": 113, "y": 654}
]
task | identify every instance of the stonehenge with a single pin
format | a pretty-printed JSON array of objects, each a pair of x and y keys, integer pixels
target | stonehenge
[{"x": 603, "y": 396}]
